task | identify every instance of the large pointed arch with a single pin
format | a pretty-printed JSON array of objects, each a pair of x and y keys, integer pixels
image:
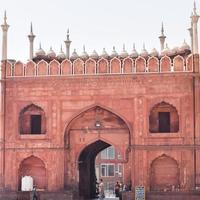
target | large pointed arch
[
  {"x": 84, "y": 110},
  {"x": 95, "y": 124}
]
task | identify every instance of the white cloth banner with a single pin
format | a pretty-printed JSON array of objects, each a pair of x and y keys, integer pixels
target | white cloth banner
[{"x": 27, "y": 183}]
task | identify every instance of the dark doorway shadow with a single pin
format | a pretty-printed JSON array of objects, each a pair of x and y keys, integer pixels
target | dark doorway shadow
[{"x": 87, "y": 176}]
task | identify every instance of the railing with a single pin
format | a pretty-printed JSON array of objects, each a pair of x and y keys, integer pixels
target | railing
[{"x": 102, "y": 66}]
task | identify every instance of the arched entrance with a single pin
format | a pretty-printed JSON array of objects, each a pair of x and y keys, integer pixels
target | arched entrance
[
  {"x": 87, "y": 134},
  {"x": 87, "y": 177}
]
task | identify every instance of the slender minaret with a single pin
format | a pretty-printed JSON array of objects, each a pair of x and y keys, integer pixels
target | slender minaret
[
  {"x": 31, "y": 38},
  {"x": 190, "y": 32},
  {"x": 162, "y": 38},
  {"x": 194, "y": 22},
  {"x": 4, "y": 27},
  {"x": 67, "y": 43}
]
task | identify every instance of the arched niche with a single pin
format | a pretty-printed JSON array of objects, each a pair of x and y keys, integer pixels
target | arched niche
[
  {"x": 42, "y": 68},
  {"x": 54, "y": 68},
  {"x": 34, "y": 167},
  {"x": 153, "y": 64},
  {"x": 102, "y": 66},
  {"x": 78, "y": 67},
  {"x": 189, "y": 63},
  {"x": 164, "y": 174},
  {"x": 178, "y": 63},
  {"x": 32, "y": 120},
  {"x": 115, "y": 66},
  {"x": 90, "y": 66},
  {"x": 128, "y": 66},
  {"x": 18, "y": 69},
  {"x": 30, "y": 68},
  {"x": 165, "y": 64},
  {"x": 8, "y": 68},
  {"x": 163, "y": 118},
  {"x": 140, "y": 64},
  {"x": 66, "y": 67}
]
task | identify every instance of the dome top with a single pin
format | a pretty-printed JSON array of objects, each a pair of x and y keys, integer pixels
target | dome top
[
  {"x": 144, "y": 52},
  {"x": 51, "y": 53},
  {"x": 173, "y": 51},
  {"x": 124, "y": 53},
  {"x": 165, "y": 51},
  {"x": 84, "y": 54},
  {"x": 61, "y": 54},
  {"x": 104, "y": 54},
  {"x": 113, "y": 53},
  {"x": 184, "y": 46},
  {"x": 154, "y": 52},
  {"x": 134, "y": 53},
  {"x": 40, "y": 51},
  {"x": 74, "y": 55},
  {"x": 94, "y": 55}
]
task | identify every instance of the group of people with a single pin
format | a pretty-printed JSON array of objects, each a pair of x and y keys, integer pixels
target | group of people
[{"x": 119, "y": 187}]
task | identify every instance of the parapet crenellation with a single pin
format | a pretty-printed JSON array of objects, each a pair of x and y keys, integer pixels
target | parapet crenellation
[{"x": 128, "y": 65}]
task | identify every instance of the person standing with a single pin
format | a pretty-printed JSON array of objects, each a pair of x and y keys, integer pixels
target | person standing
[
  {"x": 101, "y": 189},
  {"x": 117, "y": 188},
  {"x": 35, "y": 196}
]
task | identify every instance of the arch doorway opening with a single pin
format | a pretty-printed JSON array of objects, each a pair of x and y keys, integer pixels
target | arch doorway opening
[
  {"x": 87, "y": 175},
  {"x": 99, "y": 125}
]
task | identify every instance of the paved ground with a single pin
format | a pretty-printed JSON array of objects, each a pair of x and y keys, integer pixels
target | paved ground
[{"x": 109, "y": 198}]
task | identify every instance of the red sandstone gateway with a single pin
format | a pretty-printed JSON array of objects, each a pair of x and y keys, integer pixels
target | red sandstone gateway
[{"x": 58, "y": 113}]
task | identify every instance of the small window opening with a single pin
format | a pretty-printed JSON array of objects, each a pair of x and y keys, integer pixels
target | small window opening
[
  {"x": 36, "y": 124},
  {"x": 164, "y": 122}
]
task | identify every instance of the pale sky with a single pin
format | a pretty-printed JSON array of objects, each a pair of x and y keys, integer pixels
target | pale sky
[{"x": 95, "y": 23}]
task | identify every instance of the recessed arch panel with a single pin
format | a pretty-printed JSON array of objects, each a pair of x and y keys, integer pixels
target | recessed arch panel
[
  {"x": 8, "y": 68},
  {"x": 164, "y": 174},
  {"x": 54, "y": 68},
  {"x": 163, "y": 118},
  {"x": 19, "y": 69},
  {"x": 128, "y": 65},
  {"x": 153, "y": 64},
  {"x": 78, "y": 66},
  {"x": 189, "y": 63},
  {"x": 25, "y": 118},
  {"x": 90, "y": 66},
  {"x": 66, "y": 67},
  {"x": 140, "y": 64},
  {"x": 115, "y": 66},
  {"x": 30, "y": 68},
  {"x": 102, "y": 66},
  {"x": 165, "y": 64},
  {"x": 34, "y": 167},
  {"x": 42, "y": 68},
  {"x": 178, "y": 63}
]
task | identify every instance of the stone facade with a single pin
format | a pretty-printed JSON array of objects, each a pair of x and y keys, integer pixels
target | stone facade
[
  {"x": 70, "y": 106},
  {"x": 58, "y": 112}
]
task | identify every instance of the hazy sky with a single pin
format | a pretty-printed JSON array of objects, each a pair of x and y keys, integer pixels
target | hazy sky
[{"x": 95, "y": 23}]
